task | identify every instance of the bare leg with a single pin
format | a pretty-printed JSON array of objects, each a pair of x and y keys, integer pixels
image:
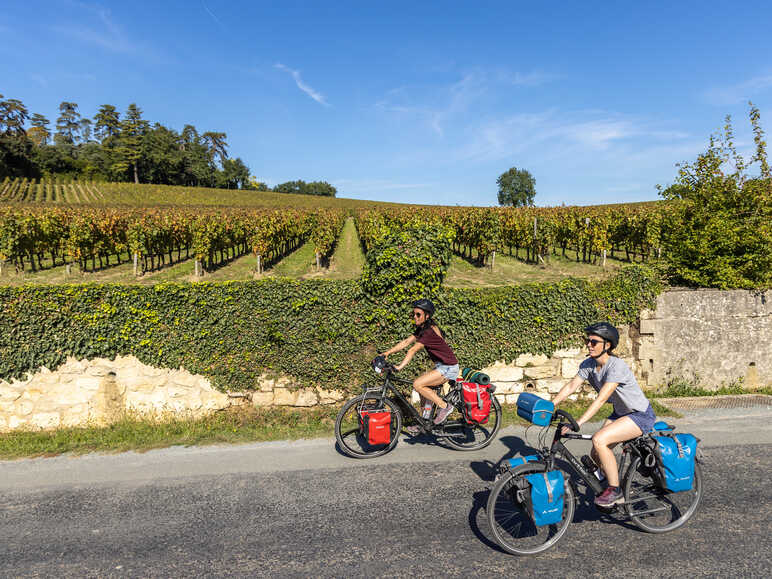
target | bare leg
[
  {"x": 423, "y": 385},
  {"x": 609, "y": 436}
]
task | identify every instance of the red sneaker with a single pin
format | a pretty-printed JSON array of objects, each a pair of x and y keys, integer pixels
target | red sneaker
[{"x": 610, "y": 497}]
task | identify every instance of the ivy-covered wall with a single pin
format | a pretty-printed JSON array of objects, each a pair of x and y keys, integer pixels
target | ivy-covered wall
[{"x": 322, "y": 333}]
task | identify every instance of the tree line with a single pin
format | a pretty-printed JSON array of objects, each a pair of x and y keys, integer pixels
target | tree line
[{"x": 113, "y": 147}]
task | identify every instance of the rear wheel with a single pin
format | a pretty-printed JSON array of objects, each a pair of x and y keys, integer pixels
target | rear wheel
[
  {"x": 512, "y": 526},
  {"x": 463, "y": 436},
  {"x": 656, "y": 510},
  {"x": 348, "y": 429}
]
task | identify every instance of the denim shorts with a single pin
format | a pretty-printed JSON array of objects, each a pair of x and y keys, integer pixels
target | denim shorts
[
  {"x": 644, "y": 420},
  {"x": 449, "y": 372}
]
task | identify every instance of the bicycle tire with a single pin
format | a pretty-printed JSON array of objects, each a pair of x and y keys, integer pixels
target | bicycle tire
[
  {"x": 513, "y": 528},
  {"x": 350, "y": 439},
  {"x": 653, "y": 509},
  {"x": 464, "y": 436}
]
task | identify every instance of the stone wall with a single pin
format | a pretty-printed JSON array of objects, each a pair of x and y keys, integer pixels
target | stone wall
[
  {"x": 719, "y": 336},
  {"x": 99, "y": 391}
]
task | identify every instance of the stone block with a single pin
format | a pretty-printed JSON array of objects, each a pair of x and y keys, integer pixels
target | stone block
[
  {"x": 567, "y": 353},
  {"x": 15, "y": 422},
  {"x": 306, "y": 397},
  {"x": 511, "y": 398},
  {"x": 525, "y": 360},
  {"x": 72, "y": 397},
  {"x": 500, "y": 372},
  {"x": 45, "y": 420},
  {"x": 501, "y": 397},
  {"x": 98, "y": 370},
  {"x": 569, "y": 367},
  {"x": 648, "y": 326},
  {"x": 551, "y": 386},
  {"x": 283, "y": 397},
  {"x": 539, "y": 372},
  {"x": 262, "y": 398},
  {"x": 23, "y": 407},
  {"x": 329, "y": 396},
  {"x": 8, "y": 394},
  {"x": 647, "y": 314},
  {"x": 88, "y": 382},
  {"x": 508, "y": 387}
]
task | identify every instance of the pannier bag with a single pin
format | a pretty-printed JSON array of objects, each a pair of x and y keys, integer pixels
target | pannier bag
[
  {"x": 676, "y": 453},
  {"x": 477, "y": 402},
  {"x": 517, "y": 461},
  {"x": 376, "y": 426},
  {"x": 535, "y": 409},
  {"x": 470, "y": 375},
  {"x": 547, "y": 490}
]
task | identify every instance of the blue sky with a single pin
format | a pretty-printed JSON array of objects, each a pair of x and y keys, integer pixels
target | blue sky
[{"x": 420, "y": 102}]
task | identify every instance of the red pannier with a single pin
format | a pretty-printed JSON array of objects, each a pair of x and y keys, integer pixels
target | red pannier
[
  {"x": 477, "y": 402},
  {"x": 376, "y": 426}
]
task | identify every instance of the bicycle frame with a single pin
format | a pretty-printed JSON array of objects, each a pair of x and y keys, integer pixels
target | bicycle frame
[
  {"x": 559, "y": 449},
  {"x": 427, "y": 424}
]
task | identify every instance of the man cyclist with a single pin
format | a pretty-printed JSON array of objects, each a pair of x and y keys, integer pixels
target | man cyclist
[
  {"x": 614, "y": 382},
  {"x": 427, "y": 335}
]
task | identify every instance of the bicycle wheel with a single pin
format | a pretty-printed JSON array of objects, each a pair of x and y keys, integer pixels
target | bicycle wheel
[
  {"x": 656, "y": 510},
  {"x": 348, "y": 431},
  {"x": 512, "y": 526},
  {"x": 463, "y": 436}
]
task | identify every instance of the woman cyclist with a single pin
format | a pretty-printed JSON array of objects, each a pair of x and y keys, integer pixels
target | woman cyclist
[
  {"x": 614, "y": 382},
  {"x": 428, "y": 335}
]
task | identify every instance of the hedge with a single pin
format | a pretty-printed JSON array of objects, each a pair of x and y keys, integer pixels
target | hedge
[{"x": 321, "y": 333}]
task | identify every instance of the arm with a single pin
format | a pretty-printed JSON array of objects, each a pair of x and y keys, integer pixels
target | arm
[
  {"x": 603, "y": 396},
  {"x": 400, "y": 346},
  {"x": 409, "y": 356},
  {"x": 568, "y": 389}
]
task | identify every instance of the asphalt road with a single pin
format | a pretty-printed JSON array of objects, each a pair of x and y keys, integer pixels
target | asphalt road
[{"x": 300, "y": 509}]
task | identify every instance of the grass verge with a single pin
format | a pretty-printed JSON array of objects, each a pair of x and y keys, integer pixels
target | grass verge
[{"x": 233, "y": 426}]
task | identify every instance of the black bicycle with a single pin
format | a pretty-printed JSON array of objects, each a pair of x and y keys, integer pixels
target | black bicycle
[
  {"x": 651, "y": 507},
  {"x": 457, "y": 432}
]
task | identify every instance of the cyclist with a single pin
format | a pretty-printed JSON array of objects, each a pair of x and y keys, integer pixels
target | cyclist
[
  {"x": 427, "y": 335},
  {"x": 614, "y": 382}
]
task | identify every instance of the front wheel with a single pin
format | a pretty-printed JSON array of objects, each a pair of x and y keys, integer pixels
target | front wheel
[
  {"x": 348, "y": 429},
  {"x": 512, "y": 526},
  {"x": 464, "y": 436},
  {"x": 656, "y": 510}
]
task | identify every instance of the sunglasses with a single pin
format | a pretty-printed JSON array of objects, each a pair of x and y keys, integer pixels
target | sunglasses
[
  {"x": 417, "y": 314},
  {"x": 592, "y": 342}
]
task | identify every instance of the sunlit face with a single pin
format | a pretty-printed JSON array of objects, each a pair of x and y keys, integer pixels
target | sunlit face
[
  {"x": 419, "y": 316},
  {"x": 595, "y": 344}
]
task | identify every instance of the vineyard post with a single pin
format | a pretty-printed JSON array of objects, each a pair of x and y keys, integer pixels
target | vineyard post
[
  {"x": 136, "y": 259},
  {"x": 2, "y": 263},
  {"x": 493, "y": 259},
  {"x": 259, "y": 265},
  {"x": 318, "y": 261},
  {"x": 604, "y": 258},
  {"x": 197, "y": 268}
]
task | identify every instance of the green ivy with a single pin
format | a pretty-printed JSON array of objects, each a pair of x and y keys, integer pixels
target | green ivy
[{"x": 322, "y": 333}]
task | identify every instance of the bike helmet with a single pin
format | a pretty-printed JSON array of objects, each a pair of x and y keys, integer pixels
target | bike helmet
[
  {"x": 425, "y": 305},
  {"x": 605, "y": 331}
]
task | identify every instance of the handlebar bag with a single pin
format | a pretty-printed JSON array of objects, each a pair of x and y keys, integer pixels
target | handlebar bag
[
  {"x": 547, "y": 491},
  {"x": 476, "y": 402},
  {"x": 535, "y": 409},
  {"x": 676, "y": 454},
  {"x": 376, "y": 426}
]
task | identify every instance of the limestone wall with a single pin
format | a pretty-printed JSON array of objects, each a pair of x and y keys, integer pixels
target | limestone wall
[
  {"x": 720, "y": 336},
  {"x": 99, "y": 391}
]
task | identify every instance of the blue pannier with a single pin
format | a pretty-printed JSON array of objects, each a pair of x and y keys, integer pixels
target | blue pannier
[
  {"x": 676, "y": 454},
  {"x": 535, "y": 409},
  {"x": 515, "y": 462},
  {"x": 547, "y": 490}
]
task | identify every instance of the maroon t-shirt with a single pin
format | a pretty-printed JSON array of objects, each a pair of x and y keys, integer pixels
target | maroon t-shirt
[{"x": 436, "y": 347}]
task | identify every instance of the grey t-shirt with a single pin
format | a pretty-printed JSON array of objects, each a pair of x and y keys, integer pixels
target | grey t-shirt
[{"x": 628, "y": 396}]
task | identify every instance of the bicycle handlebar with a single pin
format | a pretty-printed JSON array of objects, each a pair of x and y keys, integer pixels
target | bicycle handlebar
[{"x": 567, "y": 416}]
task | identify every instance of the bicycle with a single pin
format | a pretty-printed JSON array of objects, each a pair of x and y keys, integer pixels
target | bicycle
[
  {"x": 651, "y": 508},
  {"x": 456, "y": 431}
]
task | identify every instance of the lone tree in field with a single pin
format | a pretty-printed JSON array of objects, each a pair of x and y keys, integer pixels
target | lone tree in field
[{"x": 516, "y": 188}]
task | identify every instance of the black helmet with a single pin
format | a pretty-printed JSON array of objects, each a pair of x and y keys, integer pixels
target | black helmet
[
  {"x": 425, "y": 305},
  {"x": 605, "y": 331}
]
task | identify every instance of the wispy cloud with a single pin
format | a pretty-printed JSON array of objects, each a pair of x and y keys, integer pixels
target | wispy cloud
[
  {"x": 376, "y": 185},
  {"x": 529, "y": 79},
  {"x": 107, "y": 35},
  {"x": 213, "y": 15},
  {"x": 318, "y": 97},
  {"x": 738, "y": 93}
]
